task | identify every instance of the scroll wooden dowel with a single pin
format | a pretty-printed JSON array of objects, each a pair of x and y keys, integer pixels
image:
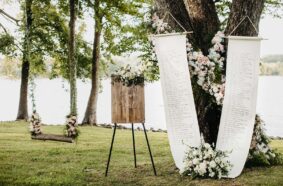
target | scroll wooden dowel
[{"x": 53, "y": 137}]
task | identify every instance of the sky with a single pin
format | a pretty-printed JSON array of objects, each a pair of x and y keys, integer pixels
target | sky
[{"x": 270, "y": 28}]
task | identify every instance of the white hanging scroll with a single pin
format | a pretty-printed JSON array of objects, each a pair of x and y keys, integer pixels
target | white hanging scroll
[
  {"x": 181, "y": 118},
  {"x": 239, "y": 107}
]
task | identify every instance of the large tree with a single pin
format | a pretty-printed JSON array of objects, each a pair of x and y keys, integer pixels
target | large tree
[
  {"x": 23, "y": 103},
  {"x": 72, "y": 59},
  {"x": 45, "y": 35},
  {"x": 203, "y": 18},
  {"x": 119, "y": 36}
]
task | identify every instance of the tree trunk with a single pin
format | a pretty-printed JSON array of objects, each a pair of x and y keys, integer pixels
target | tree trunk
[
  {"x": 240, "y": 9},
  {"x": 72, "y": 60},
  {"x": 201, "y": 17},
  {"x": 23, "y": 103},
  {"x": 90, "y": 113}
]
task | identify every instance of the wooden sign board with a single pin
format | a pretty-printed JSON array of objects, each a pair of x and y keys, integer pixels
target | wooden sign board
[{"x": 127, "y": 103}]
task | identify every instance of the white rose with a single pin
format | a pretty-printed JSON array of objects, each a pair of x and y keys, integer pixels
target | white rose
[
  {"x": 212, "y": 164},
  {"x": 212, "y": 174},
  {"x": 202, "y": 168},
  {"x": 195, "y": 161},
  {"x": 206, "y": 145}
]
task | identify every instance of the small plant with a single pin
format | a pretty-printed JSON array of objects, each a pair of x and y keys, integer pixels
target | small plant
[{"x": 206, "y": 162}]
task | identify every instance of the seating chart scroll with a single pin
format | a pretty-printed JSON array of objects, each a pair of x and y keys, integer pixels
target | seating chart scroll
[
  {"x": 239, "y": 106},
  {"x": 181, "y": 118}
]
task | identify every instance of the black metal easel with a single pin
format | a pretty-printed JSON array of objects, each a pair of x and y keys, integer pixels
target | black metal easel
[{"x": 134, "y": 147}]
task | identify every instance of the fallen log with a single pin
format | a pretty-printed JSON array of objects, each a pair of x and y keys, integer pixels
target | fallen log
[{"x": 52, "y": 137}]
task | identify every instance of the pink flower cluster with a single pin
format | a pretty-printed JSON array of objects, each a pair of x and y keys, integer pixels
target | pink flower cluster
[{"x": 204, "y": 67}]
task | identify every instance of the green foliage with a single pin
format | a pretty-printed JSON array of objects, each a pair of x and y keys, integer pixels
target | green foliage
[
  {"x": 50, "y": 38},
  {"x": 223, "y": 10},
  {"x": 121, "y": 24},
  {"x": 272, "y": 7},
  {"x": 260, "y": 159},
  {"x": 7, "y": 44},
  {"x": 9, "y": 67},
  {"x": 148, "y": 56},
  {"x": 139, "y": 80}
]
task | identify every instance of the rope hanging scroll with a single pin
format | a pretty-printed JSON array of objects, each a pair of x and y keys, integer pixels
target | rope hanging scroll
[
  {"x": 246, "y": 17},
  {"x": 168, "y": 14}
]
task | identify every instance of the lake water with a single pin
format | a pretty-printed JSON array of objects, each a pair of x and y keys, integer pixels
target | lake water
[{"x": 52, "y": 100}]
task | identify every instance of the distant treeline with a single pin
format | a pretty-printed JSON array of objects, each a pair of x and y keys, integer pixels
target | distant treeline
[
  {"x": 273, "y": 58},
  {"x": 272, "y": 65}
]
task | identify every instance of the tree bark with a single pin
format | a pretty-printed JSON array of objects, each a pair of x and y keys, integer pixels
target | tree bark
[
  {"x": 201, "y": 17},
  {"x": 90, "y": 113},
  {"x": 72, "y": 59},
  {"x": 23, "y": 102},
  {"x": 241, "y": 8}
]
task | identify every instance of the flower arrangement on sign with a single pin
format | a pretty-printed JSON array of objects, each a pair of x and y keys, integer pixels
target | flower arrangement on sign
[
  {"x": 35, "y": 124},
  {"x": 71, "y": 127},
  {"x": 129, "y": 73},
  {"x": 207, "y": 71},
  {"x": 205, "y": 161}
]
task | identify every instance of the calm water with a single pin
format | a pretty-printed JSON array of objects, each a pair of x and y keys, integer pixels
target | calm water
[{"x": 52, "y": 100}]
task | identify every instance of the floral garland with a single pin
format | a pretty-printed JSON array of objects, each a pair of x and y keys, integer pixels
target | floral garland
[
  {"x": 71, "y": 129},
  {"x": 208, "y": 72},
  {"x": 205, "y": 161},
  {"x": 35, "y": 124}
]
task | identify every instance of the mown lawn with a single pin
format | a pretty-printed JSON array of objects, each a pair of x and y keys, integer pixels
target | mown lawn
[{"x": 30, "y": 162}]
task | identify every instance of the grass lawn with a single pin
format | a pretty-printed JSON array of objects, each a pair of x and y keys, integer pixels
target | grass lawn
[{"x": 31, "y": 162}]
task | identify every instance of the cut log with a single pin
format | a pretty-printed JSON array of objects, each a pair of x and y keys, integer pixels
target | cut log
[{"x": 52, "y": 137}]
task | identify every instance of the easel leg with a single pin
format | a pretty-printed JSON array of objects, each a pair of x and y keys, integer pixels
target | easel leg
[
  {"x": 151, "y": 158},
  {"x": 134, "y": 145},
  {"x": 109, "y": 157}
]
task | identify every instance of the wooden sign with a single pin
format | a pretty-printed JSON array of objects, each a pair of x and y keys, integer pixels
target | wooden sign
[{"x": 127, "y": 103}]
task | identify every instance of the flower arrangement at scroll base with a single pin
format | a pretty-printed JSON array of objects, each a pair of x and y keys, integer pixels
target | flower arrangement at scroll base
[
  {"x": 71, "y": 128},
  {"x": 35, "y": 124},
  {"x": 206, "y": 162},
  {"x": 260, "y": 152}
]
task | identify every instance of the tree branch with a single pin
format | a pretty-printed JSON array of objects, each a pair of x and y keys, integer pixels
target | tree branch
[
  {"x": 3, "y": 28},
  {"x": 9, "y": 16}
]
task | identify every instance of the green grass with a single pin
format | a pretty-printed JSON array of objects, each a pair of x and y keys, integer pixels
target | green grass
[{"x": 30, "y": 162}]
